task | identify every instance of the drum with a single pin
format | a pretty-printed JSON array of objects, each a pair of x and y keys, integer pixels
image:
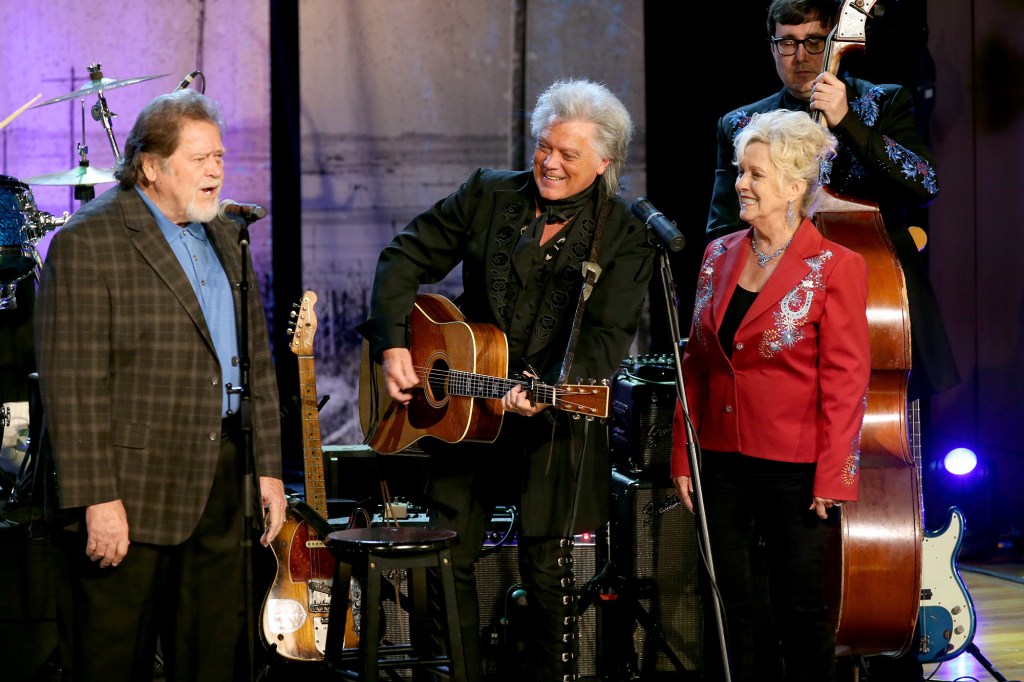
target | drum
[{"x": 18, "y": 232}]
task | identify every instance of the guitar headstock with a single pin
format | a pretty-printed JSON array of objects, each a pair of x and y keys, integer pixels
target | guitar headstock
[
  {"x": 582, "y": 400},
  {"x": 302, "y": 326}
]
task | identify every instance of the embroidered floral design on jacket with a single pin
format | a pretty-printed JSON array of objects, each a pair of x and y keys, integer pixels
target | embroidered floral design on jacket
[
  {"x": 793, "y": 308},
  {"x": 851, "y": 467},
  {"x": 705, "y": 289},
  {"x": 738, "y": 121},
  {"x": 911, "y": 164},
  {"x": 866, "y": 106}
]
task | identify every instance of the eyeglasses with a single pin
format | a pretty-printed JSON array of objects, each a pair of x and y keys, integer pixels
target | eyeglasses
[{"x": 787, "y": 46}]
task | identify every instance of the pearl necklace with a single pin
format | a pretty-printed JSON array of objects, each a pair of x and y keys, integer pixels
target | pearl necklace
[{"x": 763, "y": 258}]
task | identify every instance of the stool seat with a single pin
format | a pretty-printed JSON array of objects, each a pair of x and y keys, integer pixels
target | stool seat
[
  {"x": 375, "y": 556},
  {"x": 389, "y": 540}
]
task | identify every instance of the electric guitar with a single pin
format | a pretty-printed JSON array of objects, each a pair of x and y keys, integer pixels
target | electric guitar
[
  {"x": 946, "y": 619},
  {"x": 294, "y": 615},
  {"x": 463, "y": 370}
]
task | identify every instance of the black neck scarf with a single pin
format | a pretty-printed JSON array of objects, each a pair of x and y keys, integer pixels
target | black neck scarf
[{"x": 559, "y": 210}]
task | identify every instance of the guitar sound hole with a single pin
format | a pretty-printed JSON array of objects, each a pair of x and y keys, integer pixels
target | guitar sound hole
[{"x": 437, "y": 382}]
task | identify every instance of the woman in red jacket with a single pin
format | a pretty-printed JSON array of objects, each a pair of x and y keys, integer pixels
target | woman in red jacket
[{"x": 776, "y": 373}]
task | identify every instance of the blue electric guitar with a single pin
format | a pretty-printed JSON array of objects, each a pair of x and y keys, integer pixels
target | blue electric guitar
[{"x": 946, "y": 619}]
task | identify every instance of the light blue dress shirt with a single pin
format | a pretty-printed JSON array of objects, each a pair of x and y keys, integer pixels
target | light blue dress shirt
[{"x": 204, "y": 270}]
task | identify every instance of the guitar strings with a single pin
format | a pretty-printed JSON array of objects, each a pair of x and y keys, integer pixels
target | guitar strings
[{"x": 478, "y": 381}]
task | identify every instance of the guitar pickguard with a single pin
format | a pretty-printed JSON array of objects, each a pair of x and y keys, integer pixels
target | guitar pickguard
[{"x": 946, "y": 619}]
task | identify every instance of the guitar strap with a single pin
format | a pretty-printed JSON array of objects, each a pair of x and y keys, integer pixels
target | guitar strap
[{"x": 591, "y": 273}]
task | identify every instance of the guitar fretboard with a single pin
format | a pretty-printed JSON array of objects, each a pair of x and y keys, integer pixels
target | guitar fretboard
[
  {"x": 482, "y": 386},
  {"x": 316, "y": 489}
]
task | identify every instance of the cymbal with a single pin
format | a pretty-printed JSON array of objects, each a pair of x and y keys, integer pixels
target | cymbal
[
  {"x": 98, "y": 86},
  {"x": 79, "y": 175}
]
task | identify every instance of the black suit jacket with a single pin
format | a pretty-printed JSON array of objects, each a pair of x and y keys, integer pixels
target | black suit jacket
[{"x": 478, "y": 226}]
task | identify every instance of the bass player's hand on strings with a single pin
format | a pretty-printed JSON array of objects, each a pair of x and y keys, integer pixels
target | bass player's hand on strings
[
  {"x": 828, "y": 95},
  {"x": 399, "y": 374}
]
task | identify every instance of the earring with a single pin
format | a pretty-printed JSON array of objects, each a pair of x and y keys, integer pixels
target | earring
[{"x": 790, "y": 214}]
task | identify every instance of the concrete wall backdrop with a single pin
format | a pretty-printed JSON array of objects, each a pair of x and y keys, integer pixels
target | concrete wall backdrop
[{"x": 400, "y": 102}]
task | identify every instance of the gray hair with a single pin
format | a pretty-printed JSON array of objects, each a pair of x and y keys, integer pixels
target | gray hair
[
  {"x": 797, "y": 146},
  {"x": 157, "y": 130},
  {"x": 582, "y": 100}
]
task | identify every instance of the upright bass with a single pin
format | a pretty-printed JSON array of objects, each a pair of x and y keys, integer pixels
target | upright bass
[{"x": 873, "y": 553}]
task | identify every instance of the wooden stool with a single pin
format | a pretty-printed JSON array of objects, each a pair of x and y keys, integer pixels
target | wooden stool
[{"x": 368, "y": 553}]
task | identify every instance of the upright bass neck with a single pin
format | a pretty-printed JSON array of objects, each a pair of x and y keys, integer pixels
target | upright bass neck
[{"x": 848, "y": 35}]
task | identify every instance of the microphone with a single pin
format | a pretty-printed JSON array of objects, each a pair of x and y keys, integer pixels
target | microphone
[
  {"x": 186, "y": 80},
  {"x": 236, "y": 211},
  {"x": 666, "y": 230}
]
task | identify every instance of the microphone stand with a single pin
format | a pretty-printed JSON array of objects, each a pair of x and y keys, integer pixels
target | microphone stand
[
  {"x": 250, "y": 493},
  {"x": 672, "y": 310}
]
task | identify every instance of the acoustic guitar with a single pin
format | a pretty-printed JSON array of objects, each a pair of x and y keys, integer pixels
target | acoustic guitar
[
  {"x": 294, "y": 614},
  {"x": 463, "y": 369}
]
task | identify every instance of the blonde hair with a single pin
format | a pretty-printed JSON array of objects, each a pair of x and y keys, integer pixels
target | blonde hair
[{"x": 797, "y": 147}]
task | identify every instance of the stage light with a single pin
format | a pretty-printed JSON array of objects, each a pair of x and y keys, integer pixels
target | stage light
[
  {"x": 960, "y": 461},
  {"x": 966, "y": 480}
]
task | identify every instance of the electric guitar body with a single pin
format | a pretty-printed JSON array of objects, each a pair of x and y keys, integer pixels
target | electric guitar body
[{"x": 946, "y": 620}]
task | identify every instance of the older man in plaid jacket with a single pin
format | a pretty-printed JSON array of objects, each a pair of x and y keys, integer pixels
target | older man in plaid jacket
[{"x": 137, "y": 341}]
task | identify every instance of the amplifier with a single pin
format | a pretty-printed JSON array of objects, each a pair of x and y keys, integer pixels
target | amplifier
[
  {"x": 643, "y": 404},
  {"x": 654, "y": 543},
  {"x": 501, "y": 604}
]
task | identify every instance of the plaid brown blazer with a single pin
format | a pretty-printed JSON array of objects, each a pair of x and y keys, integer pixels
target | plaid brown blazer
[{"x": 129, "y": 377}]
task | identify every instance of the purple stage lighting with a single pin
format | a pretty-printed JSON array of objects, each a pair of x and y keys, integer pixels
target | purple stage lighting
[{"x": 960, "y": 461}]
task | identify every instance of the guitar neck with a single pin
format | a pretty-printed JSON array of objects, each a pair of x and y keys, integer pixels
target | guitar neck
[
  {"x": 312, "y": 449},
  {"x": 482, "y": 386}
]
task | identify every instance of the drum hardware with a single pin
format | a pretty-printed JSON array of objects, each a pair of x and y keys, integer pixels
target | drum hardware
[
  {"x": 97, "y": 85},
  {"x": 83, "y": 177},
  {"x": 21, "y": 226}
]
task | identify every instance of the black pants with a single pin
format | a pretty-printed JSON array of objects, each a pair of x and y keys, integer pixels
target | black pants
[
  {"x": 749, "y": 501},
  {"x": 465, "y": 502},
  {"x": 190, "y": 596}
]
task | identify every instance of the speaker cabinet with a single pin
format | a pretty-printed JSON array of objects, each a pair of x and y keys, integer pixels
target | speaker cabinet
[
  {"x": 643, "y": 404},
  {"x": 654, "y": 545},
  {"x": 501, "y": 604}
]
